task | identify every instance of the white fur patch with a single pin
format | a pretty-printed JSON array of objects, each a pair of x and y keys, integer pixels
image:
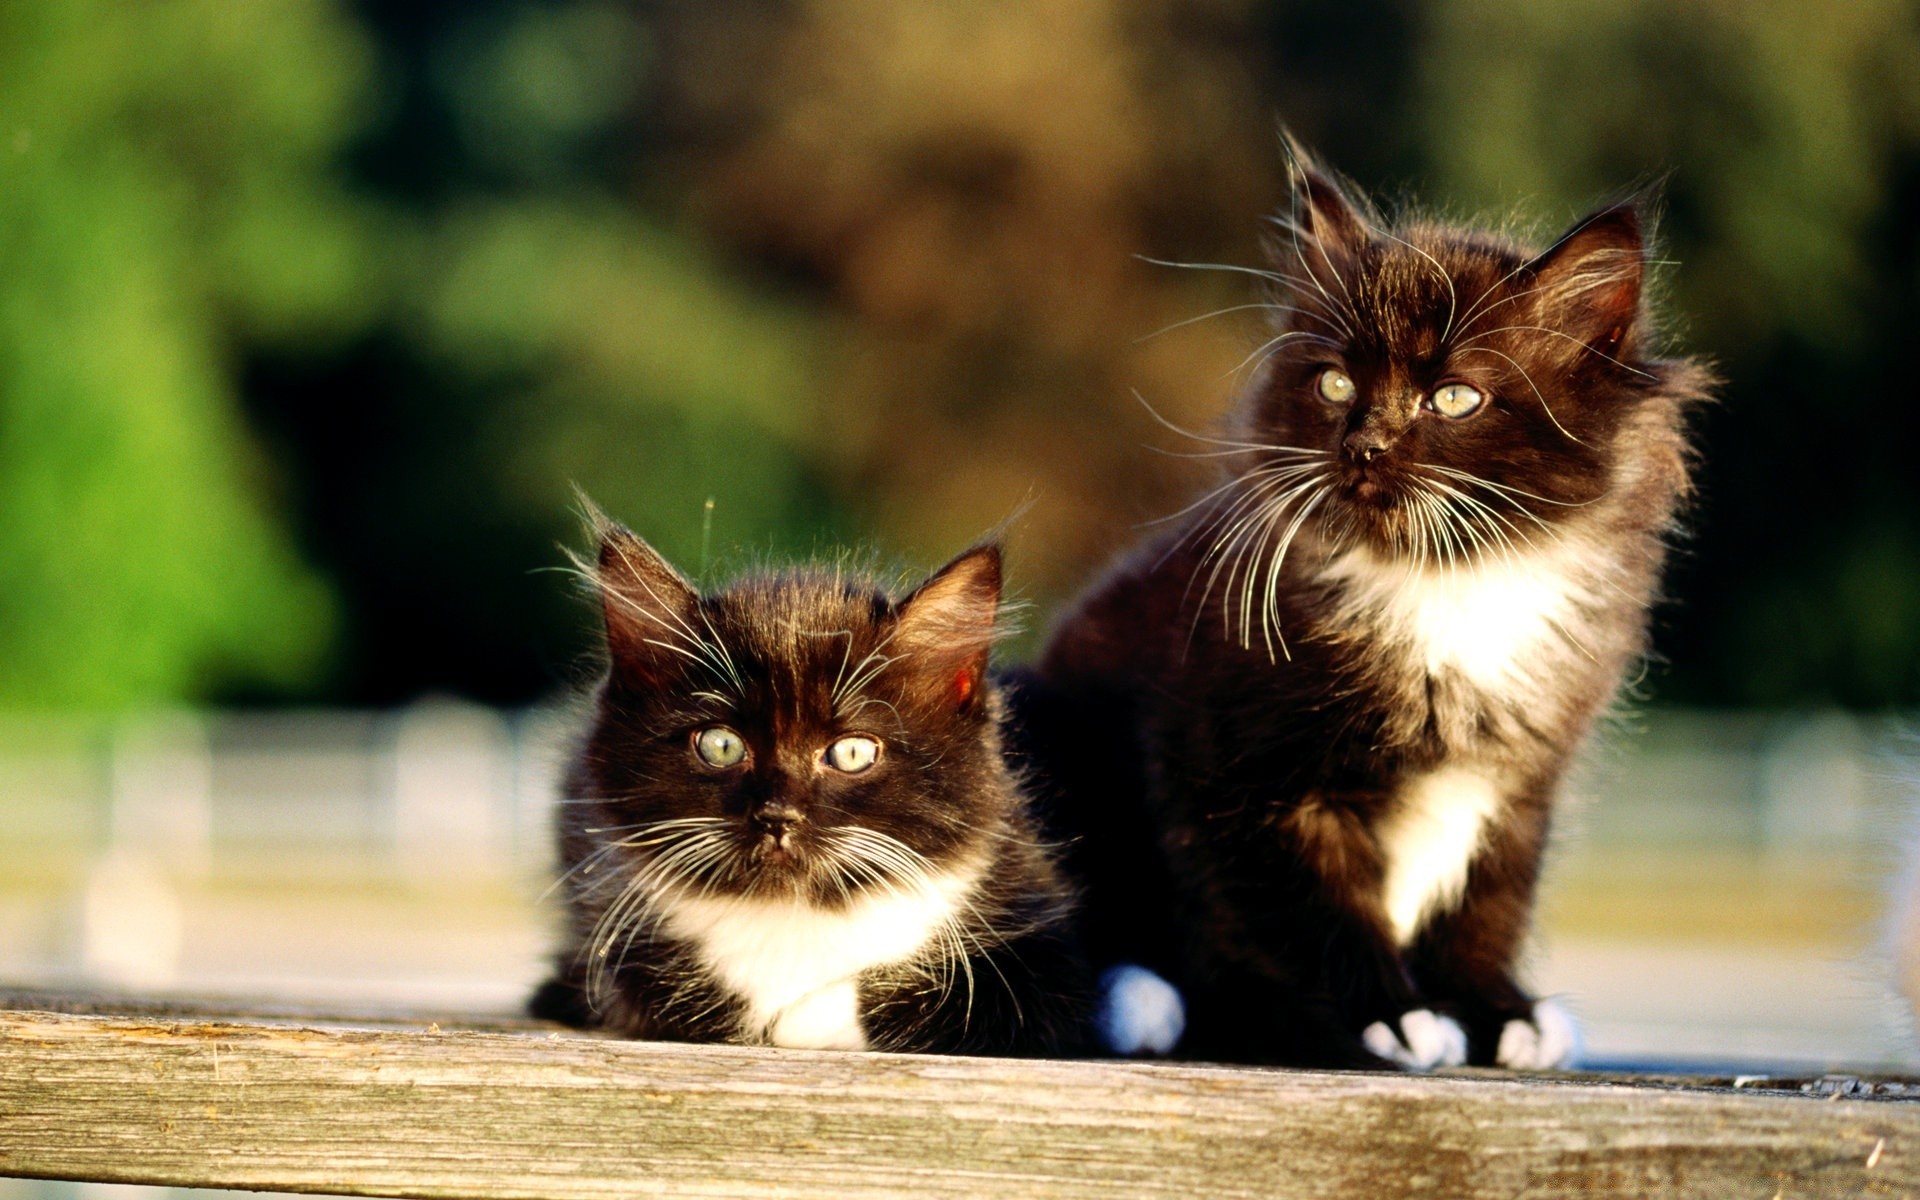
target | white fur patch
[
  {"x": 1481, "y": 620},
  {"x": 1427, "y": 842},
  {"x": 1426, "y": 1040},
  {"x": 796, "y": 966},
  {"x": 1550, "y": 1040},
  {"x": 825, "y": 1019},
  {"x": 1140, "y": 1013}
]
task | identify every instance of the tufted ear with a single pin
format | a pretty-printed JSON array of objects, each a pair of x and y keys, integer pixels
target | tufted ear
[
  {"x": 945, "y": 629},
  {"x": 1587, "y": 284},
  {"x": 649, "y": 609},
  {"x": 1325, "y": 218}
]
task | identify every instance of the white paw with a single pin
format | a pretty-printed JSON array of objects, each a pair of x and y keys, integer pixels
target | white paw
[
  {"x": 827, "y": 1019},
  {"x": 1426, "y": 1040},
  {"x": 1549, "y": 1040},
  {"x": 1140, "y": 1013}
]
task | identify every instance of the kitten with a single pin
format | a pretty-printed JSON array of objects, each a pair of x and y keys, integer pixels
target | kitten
[
  {"x": 790, "y": 822},
  {"x": 1310, "y": 737}
]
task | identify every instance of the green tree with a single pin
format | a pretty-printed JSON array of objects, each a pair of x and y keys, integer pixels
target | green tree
[{"x": 166, "y": 191}]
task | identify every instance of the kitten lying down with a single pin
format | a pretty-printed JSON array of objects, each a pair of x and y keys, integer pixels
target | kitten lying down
[{"x": 789, "y": 822}]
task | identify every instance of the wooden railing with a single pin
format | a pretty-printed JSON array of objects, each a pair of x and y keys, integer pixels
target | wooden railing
[{"x": 384, "y": 1106}]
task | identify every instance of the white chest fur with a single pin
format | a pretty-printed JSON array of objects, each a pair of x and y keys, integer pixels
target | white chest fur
[
  {"x": 797, "y": 966},
  {"x": 1486, "y": 621},
  {"x": 1428, "y": 841},
  {"x": 1513, "y": 628}
]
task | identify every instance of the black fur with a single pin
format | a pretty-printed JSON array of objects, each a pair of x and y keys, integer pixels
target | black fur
[
  {"x": 791, "y": 663},
  {"x": 1230, "y": 723}
]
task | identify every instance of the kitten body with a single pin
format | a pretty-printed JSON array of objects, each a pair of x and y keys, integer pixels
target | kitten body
[
  {"x": 1311, "y": 735},
  {"x": 790, "y": 822}
]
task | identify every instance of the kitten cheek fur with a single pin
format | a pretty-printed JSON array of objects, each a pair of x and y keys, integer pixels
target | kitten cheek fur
[
  {"x": 904, "y": 905},
  {"x": 1323, "y": 719}
]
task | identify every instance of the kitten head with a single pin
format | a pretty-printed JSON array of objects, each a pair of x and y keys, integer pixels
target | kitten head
[
  {"x": 802, "y": 735},
  {"x": 1438, "y": 393}
]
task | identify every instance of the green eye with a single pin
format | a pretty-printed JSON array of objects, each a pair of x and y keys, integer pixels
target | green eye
[
  {"x": 719, "y": 746},
  {"x": 1457, "y": 400},
  {"x": 852, "y": 755},
  {"x": 1335, "y": 387}
]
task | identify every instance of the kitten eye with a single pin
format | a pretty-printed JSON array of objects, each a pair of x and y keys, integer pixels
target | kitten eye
[
  {"x": 1457, "y": 400},
  {"x": 719, "y": 746},
  {"x": 1335, "y": 387},
  {"x": 852, "y": 755}
]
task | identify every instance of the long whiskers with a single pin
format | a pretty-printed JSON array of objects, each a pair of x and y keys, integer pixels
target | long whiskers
[
  {"x": 885, "y": 862},
  {"x": 1257, "y": 515},
  {"x": 685, "y": 854}
]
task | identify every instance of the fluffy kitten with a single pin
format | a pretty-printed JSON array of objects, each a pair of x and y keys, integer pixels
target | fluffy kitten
[
  {"x": 790, "y": 822},
  {"x": 1311, "y": 736}
]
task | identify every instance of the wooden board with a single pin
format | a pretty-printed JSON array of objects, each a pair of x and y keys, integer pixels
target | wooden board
[{"x": 300, "y": 1106}]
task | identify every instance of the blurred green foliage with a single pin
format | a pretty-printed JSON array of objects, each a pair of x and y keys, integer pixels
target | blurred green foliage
[
  {"x": 312, "y": 315},
  {"x": 165, "y": 193}
]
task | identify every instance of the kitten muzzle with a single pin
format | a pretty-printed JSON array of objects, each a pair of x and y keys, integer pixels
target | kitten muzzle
[{"x": 775, "y": 825}]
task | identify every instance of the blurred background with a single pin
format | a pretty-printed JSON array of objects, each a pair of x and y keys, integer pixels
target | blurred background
[{"x": 312, "y": 314}]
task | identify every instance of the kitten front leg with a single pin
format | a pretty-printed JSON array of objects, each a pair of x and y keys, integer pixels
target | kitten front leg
[
  {"x": 1466, "y": 956},
  {"x": 1327, "y": 989}
]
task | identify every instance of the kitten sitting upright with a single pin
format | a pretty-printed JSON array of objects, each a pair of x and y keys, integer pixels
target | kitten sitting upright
[
  {"x": 790, "y": 822},
  {"x": 1310, "y": 737}
]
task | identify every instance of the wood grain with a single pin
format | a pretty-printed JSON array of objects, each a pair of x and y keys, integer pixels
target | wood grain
[{"x": 392, "y": 1111}]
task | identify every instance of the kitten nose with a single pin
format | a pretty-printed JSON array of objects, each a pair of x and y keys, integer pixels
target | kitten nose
[
  {"x": 1373, "y": 429},
  {"x": 776, "y": 816},
  {"x": 1366, "y": 443}
]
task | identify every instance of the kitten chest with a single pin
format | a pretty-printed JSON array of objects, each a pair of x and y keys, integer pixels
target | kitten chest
[
  {"x": 1472, "y": 654},
  {"x": 1515, "y": 630},
  {"x": 796, "y": 967}
]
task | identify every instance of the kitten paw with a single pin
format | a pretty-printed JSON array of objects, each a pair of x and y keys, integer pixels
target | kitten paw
[
  {"x": 1140, "y": 1013},
  {"x": 1425, "y": 1040},
  {"x": 825, "y": 1019},
  {"x": 1549, "y": 1040}
]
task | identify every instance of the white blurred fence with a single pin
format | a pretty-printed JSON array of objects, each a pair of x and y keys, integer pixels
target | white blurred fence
[
  {"x": 402, "y": 855},
  {"x": 113, "y": 835}
]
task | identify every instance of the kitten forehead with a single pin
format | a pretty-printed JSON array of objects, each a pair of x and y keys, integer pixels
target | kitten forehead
[
  {"x": 1414, "y": 289},
  {"x": 815, "y": 639}
]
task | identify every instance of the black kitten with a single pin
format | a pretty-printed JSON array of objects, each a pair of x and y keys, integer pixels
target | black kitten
[
  {"x": 1311, "y": 736},
  {"x": 790, "y": 822}
]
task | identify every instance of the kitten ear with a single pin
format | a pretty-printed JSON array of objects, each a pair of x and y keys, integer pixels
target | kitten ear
[
  {"x": 648, "y": 607},
  {"x": 1587, "y": 284},
  {"x": 1323, "y": 213},
  {"x": 946, "y": 627}
]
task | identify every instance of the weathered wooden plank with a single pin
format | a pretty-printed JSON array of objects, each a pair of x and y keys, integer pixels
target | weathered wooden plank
[{"x": 440, "y": 1112}]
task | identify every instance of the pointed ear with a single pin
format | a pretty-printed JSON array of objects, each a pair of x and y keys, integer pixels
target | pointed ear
[
  {"x": 1587, "y": 284},
  {"x": 1323, "y": 213},
  {"x": 945, "y": 629},
  {"x": 647, "y": 606}
]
